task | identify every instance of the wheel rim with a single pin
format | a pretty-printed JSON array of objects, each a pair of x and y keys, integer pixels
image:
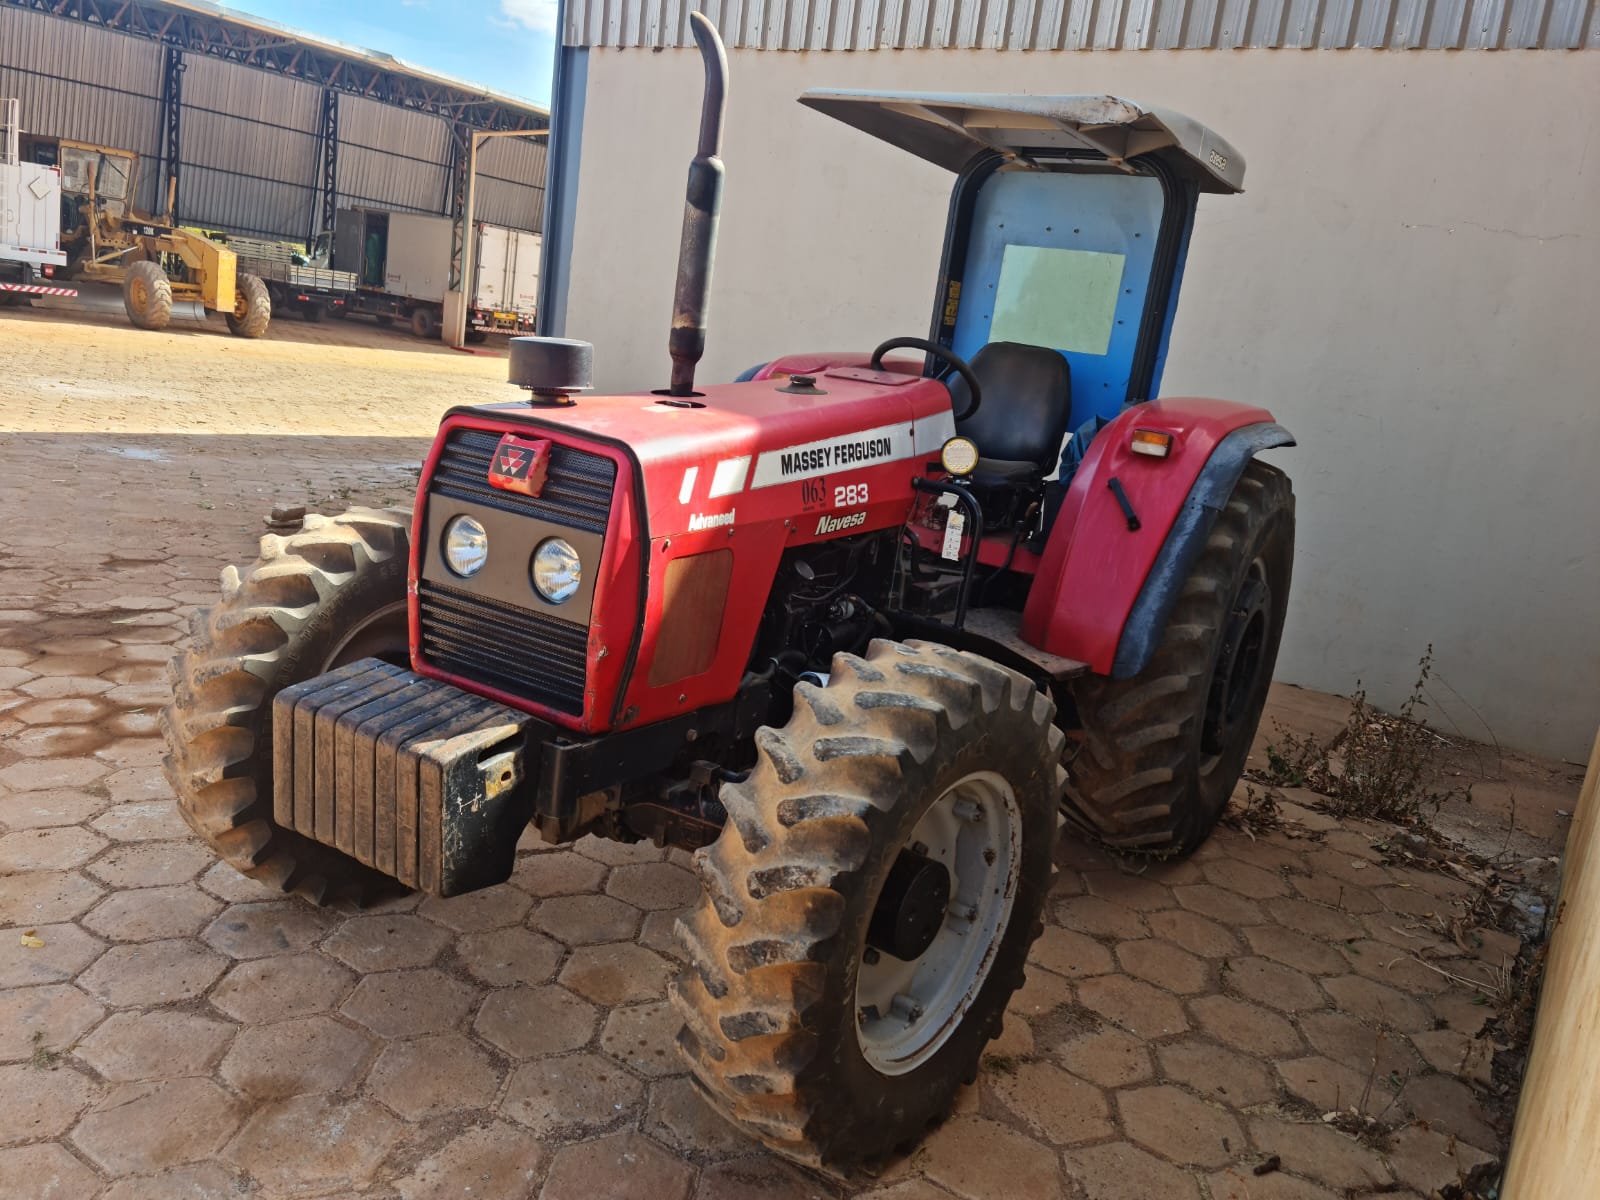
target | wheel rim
[
  {"x": 1240, "y": 659},
  {"x": 380, "y": 635},
  {"x": 907, "y": 1010},
  {"x": 138, "y": 293}
]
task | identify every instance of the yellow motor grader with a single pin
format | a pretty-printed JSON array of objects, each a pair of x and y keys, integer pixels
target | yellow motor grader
[{"x": 152, "y": 259}]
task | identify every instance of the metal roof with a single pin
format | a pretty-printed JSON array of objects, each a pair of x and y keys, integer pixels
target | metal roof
[
  {"x": 1093, "y": 24},
  {"x": 200, "y": 27},
  {"x": 953, "y": 130}
]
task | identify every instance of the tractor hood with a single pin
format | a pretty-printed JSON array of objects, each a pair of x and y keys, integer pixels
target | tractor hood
[
  {"x": 954, "y": 130},
  {"x": 740, "y": 452}
]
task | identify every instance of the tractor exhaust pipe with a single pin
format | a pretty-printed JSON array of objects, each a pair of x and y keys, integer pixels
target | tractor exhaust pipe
[{"x": 699, "y": 245}]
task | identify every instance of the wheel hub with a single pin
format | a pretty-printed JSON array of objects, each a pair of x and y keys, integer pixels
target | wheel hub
[
  {"x": 1239, "y": 664},
  {"x": 911, "y": 907},
  {"x": 938, "y": 923}
]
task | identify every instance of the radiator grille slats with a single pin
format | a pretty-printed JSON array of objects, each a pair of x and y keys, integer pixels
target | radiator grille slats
[
  {"x": 517, "y": 651},
  {"x": 577, "y": 492}
]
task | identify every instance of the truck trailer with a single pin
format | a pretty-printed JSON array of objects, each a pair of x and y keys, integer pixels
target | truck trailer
[
  {"x": 296, "y": 281},
  {"x": 401, "y": 262}
]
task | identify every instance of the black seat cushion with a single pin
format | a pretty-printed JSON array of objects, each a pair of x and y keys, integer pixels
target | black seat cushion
[
  {"x": 1004, "y": 472},
  {"x": 1027, "y": 405}
]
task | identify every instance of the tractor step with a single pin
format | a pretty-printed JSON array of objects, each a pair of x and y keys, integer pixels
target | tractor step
[
  {"x": 1004, "y": 627},
  {"x": 416, "y": 778}
]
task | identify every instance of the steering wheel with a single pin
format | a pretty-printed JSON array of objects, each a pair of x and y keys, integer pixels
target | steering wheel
[{"x": 958, "y": 363}]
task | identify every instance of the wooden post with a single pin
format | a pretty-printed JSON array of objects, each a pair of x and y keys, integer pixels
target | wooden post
[{"x": 1555, "y": 1148}]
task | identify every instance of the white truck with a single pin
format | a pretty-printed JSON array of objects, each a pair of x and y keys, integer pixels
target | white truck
[
  {"x": 505, "y": 295},
  {"x": 401, "y": 262},
  {"x": 30, "y": 220}
]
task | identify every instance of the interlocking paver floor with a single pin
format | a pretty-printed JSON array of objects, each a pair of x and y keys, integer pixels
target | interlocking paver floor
[{"x": 184, "y": 1033}]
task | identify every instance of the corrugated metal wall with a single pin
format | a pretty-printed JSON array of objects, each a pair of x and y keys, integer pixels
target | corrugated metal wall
[
  {"x": 511, "y": 182},
  {"x": 86, "y": 85},
  {"x": 249, "y": 150},
  {"x": 249, "y": 137},
  {"x": 1095, "y": 24}
]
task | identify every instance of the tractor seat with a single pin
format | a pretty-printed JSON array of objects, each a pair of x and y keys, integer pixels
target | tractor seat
[{"x": 1027, "y": 406}]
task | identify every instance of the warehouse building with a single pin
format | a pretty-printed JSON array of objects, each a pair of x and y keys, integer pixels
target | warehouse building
[
  {"x": 1408, "y": 280},
  {"x": 261, "y": 130}
]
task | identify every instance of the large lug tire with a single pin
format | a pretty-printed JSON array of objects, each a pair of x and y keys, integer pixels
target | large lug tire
[
  {"x": 777, "y": 1030},
  {"x": 252, "y": 307},
  {"x": 331, "y": 594},
  {"x": 1164, "y": 750},
  {"x": 147, "y": 295}
]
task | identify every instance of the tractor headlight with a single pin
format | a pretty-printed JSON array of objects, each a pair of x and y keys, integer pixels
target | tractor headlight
[
  {"x": 959, "y": 456},
  {"x": 557, "y": 570},
  {"x": 466, "y": 546}
]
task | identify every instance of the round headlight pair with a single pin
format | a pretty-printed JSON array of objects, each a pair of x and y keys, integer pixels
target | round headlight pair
[{"x": 556, "y": 570}]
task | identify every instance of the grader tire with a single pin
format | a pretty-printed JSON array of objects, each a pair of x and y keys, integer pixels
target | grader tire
[
  {"x": 776, "y": 946},
  {"x": 252, "y": 307},
  {"x": 147, "y": 295},
  {"x": 1164, "y": 750},
  {"x": 333, "y": 593}
]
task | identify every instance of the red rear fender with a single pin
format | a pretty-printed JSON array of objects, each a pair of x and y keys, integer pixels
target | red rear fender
[{"x": 1103, "y": 589}]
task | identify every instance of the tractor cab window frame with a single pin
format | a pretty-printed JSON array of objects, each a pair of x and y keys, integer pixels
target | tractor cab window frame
[{"x": 1178, "y": 199}]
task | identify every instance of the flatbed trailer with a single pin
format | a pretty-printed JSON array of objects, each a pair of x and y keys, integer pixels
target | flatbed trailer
[{"x": 306, "y": 289}]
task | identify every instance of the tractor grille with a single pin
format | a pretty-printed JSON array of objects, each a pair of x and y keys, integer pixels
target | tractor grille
[
  {"x": 577, "y": 492},
  {"x": 519, "y": 651},
  {"x": 499, "y": 645}
]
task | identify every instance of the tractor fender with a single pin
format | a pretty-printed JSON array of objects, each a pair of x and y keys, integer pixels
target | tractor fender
[{"x": 1108, "y": 580}]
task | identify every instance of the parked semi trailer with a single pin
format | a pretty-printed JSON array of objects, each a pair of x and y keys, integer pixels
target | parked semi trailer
[
  {"x": 401, "y": 262},
  {"x": 505, "y": 295},
  {"x": 30, "y": 220}
]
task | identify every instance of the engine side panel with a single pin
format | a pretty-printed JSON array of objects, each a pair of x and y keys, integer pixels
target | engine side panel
[{"x": 1095, "y": 566}]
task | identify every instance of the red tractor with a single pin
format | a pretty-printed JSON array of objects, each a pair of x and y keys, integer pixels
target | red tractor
[{"x": 860, "y": 632}]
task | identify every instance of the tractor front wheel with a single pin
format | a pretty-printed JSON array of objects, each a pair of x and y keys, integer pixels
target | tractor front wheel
[
  {"x": 252, "y": 307},
  {"x": 315, "y": 600},
  {"x": 1164, "y": 750},
  {"x": 871, "y": 900},
  {"x": 147, "y": 295}
]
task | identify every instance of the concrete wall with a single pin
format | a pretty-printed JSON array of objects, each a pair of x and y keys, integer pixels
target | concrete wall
[{"x": 1409, "y": 282}]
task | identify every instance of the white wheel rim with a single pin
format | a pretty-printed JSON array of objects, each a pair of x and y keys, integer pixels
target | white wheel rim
[{"x": 905, "y": 1011}]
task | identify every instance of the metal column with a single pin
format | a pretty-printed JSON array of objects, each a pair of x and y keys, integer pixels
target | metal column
[
  {"x": 326, "y": 206},
  {"x": 171, "y": 127}
]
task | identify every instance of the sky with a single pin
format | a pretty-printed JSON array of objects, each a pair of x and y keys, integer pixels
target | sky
[{"x": 505, "y": 45}]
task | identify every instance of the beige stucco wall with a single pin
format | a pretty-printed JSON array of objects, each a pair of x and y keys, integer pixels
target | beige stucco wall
[{"x": 1409, "y": 283}]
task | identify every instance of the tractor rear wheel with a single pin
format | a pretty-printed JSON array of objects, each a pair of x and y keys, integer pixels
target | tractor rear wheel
[
  {"x": 329, "y": 595},
  {"x": 147, "y": 295},
  {"x": 1164, "y": 750},
  {"x": 252, "y": 307},
  {"x": 870, "y": 902}
]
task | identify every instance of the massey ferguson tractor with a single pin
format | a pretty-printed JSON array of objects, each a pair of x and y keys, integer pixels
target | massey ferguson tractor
[{"x": 862, "y": 631}]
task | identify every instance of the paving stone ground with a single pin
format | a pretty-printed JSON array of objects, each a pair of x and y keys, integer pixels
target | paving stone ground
[{"x": 181, "y": 1032}]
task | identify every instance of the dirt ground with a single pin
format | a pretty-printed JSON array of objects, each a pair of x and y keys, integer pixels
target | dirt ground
[{"x": 1306, "y": 1009}]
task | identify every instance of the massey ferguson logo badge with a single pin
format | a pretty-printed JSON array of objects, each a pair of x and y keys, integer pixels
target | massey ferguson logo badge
[
  {"x": 519, "y": 465},
  {"x": 699, "y": 521},
  {"x": 835, "y": 524}
]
